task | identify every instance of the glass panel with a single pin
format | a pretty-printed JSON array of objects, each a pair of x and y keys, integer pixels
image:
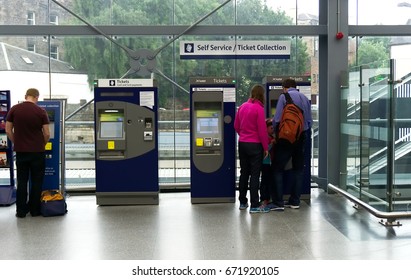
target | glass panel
[
  {"x": 71, "y": 83},
  {"x": 79, "y": 142},
  {"x": 371, "y": 131},
  {"x": 364, "y": 131},
  {"x": 187, "y": 12},
  {"x": 375, "y": 127},
  {"x": 370, "y": 52},
  {"x": 379, "y": 12},
  {"x": 402, "y": 134},
  {"x": 160, "y": 12},
  {"x": 350, "y": 132},
  {"x": 71, "y": 78},
  {"x": 25, "y": 69},
  {"x": 294, "y": 12}
]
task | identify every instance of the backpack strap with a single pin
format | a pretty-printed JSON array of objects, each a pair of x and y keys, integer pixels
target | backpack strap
[{"x": 288, "y": 98}]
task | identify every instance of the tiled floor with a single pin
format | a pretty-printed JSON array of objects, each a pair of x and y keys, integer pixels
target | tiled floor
[{"x": 328, "y": 228}]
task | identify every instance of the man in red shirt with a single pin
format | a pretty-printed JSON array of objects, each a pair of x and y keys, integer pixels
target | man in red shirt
[{"x": 27, "y": 126}]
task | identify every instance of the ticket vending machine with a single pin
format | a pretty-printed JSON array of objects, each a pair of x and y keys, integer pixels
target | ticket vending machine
[
  {"x": 273, "y": 91},
  {"x": 54, "y": 176},
  {"x": 126, "y": 142},
  {"x": 212, "y": 139},
  {"x": 7, "y": 180}
]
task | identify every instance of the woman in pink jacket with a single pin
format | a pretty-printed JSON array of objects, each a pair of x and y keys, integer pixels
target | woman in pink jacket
[{"x": 250, "y": 125}]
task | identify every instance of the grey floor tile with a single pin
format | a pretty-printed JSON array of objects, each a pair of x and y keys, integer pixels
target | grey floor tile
[{"x": 325, "y": 228}]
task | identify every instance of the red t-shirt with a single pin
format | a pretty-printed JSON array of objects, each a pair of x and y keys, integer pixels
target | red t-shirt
[{"x": 28, "y": 120}]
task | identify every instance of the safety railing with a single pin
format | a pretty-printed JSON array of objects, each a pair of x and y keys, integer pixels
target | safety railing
[{"x": 376, "y": 141}]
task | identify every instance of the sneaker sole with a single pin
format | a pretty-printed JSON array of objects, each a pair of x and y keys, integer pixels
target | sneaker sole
[
  {"x": 293, "y": 206},
  {"x": 258, "y": 212},
  {"x": 279, "y": 209}
]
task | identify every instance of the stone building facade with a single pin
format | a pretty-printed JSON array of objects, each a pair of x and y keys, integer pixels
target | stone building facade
[{"x": 35, "y": 12}]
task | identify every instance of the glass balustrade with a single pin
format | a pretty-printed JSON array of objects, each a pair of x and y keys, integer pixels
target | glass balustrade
[{"x": 376, "y": 135}]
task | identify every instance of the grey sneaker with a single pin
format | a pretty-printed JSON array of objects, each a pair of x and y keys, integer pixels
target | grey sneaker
[
  {"x": 261, "y": 209},
  {"x": 275, "y": 207},
  {"x": 243, "y": 206}
]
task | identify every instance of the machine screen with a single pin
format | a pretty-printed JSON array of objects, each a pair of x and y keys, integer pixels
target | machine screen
[
  {"x": 111, "y": 125},
  {"x": 207, "y": 125},
  {"x": 208, "y": 121},
  {"x": 51, "y": 116},
  {"x": 111, "y": 130}
]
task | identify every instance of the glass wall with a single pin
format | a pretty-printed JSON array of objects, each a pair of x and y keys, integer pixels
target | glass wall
[
  {"x": 186, "y": 12},
  {"x": 376, "y": 135},
  {"x": 379, "y": 12},
  {"x": 65, "y": 66}
]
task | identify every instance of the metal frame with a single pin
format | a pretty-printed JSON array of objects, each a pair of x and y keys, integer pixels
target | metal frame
[{"x": 390, "y": 217}]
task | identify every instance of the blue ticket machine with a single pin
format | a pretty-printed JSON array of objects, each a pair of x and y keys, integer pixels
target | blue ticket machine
[
  {"x": 126, "y": 142},
  {"x": 54, "y": 176},
  {"x": 212, "y": 139},
  {"x": 7, "y": 181},
  {"x": 273, "y": 91}
]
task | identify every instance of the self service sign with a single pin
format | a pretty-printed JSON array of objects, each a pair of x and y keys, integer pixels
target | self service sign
[{"x": 235, "y": 49}]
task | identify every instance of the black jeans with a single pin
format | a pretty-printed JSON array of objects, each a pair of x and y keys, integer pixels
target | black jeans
[
  {"x": 267, "y": 182},
  {"x": 29, "y": 166},
  {"x": 251, "y": 161},
  {"x": 283, "y": 153}
]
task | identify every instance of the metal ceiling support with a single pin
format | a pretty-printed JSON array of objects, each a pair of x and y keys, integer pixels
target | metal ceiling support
[
  {"x": 191, "y": 26},
  {"x": 143, "y": 61}
]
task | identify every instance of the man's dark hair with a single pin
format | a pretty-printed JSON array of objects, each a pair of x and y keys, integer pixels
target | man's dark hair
[{"x": 289, "y": 83}]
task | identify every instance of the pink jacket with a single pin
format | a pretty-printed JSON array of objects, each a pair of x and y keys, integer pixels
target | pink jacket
[{"x": 250, "y": 124}]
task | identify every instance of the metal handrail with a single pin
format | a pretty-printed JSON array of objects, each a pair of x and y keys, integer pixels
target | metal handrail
[{"x": 390, "y": 216}]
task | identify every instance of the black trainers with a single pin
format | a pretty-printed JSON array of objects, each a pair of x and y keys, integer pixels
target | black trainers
[
  {"x": 288, "y": 205},
  {"x": 20, "y": 215}
]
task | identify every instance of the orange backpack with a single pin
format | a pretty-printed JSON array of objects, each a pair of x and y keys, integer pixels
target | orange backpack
[{"x": 292, "y": 122}]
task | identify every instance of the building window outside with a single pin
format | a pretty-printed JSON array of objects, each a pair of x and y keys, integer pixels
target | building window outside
[
  {"x": 54, "y": 19},
  {"x": 31, "y": 18},
  {"x": 54, "y": 52},
  {"x": 31, "y": 47}
]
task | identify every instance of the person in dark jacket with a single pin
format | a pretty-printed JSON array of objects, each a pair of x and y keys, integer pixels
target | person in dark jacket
[
  {"x": 27, "y": 126},
  {"x": 286, "y": 151}
]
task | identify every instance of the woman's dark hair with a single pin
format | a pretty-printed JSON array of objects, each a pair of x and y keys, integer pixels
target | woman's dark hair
[{"x": 257, "y": 92}]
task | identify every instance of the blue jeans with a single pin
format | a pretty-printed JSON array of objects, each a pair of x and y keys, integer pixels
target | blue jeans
[
  {"x": 29, "y": 166},
  {"x": 251, "y": 161}
]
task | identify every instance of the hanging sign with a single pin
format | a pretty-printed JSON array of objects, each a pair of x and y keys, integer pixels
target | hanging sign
[{"x": 235, "y": 49}]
